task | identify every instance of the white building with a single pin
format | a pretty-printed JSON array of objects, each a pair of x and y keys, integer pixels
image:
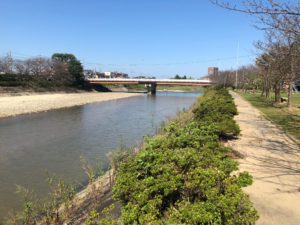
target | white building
[{"x": 107, "y": 74}]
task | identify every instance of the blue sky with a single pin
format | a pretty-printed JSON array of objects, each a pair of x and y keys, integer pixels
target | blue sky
[{"x": 141, "y": 37}]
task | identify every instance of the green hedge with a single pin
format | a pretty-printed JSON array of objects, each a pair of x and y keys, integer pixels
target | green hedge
[
  {"x": 34, "y": 81},
  {"x": 12, "y": 80},
  {"x": 217, "y": 107},
  {"x": 183, "y": 176}
]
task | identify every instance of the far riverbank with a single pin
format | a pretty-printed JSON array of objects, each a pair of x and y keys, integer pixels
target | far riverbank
[{"x": 24, "y": 104}]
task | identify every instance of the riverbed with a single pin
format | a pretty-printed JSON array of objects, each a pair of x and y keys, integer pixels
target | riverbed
[
  {"x": 32, "y": 146},
  {"x": 33, "y": 102}
]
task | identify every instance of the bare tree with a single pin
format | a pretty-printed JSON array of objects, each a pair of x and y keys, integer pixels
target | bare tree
[
  {"x": 282, "y": 16},
  {"x": 39, "y": 66},
  {"x": 280, "y": 53},
  {"x": 271, "y": 7},
  {"x": 249, "y": 78},
  {"x": 6, "y": 64},
  {"x": 224, "y": 78},
  {"x": 40, "y": 71},
  {"x": 21, "y": 67}
]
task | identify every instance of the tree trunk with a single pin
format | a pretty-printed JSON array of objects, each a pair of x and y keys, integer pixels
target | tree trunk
[
  {"x": 277, "y": 92},
  {"x": 267, "y": 93},
  {"x": 263, "y": 90},
  {"x": 289, "y": 101},
  {"x": 267, "y": 88}
]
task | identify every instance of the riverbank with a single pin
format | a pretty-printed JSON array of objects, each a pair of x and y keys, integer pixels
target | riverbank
[
  {"x": 273, "y": 159},
  {"x": 54, "y": 141},
  {"x": 178, "y": 154},
  {"x": 184, "y": 175},
  {"x": 288, "y": 120},
  {"x": 24, "y": 104},
  {"x": 162, "y": 88}
]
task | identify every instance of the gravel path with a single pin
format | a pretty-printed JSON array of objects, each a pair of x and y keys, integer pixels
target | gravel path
[
  {"x": 16, "y": 105},
  {"x": 273, "y": 159}
]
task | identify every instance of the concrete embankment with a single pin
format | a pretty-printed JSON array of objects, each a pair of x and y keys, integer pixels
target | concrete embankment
[
  {"x": 24, "y": 104},
  {"x": 99, "y": 194}
]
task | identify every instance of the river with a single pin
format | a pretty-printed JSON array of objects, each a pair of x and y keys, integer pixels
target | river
[{"x": 31, "y": 146}]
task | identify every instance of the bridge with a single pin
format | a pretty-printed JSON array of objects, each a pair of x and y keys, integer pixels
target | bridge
[{"x": 149, "y": 83}]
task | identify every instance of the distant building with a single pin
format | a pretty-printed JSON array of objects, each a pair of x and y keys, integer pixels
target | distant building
[
  {"x": 119, "y": 75},
  {"x": 93, "y": 74},
  {"x": 296, "y": 86},
  {"x": 213, "y": 71},
  {"x": 115, "y": 75},
  {"x": 107, "y": 74},
  {"x": 88, "y": 73},
  {"x": 144, "y": 77}
]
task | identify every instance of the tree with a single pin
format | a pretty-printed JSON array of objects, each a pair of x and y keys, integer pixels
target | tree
[
  {"x": 249, "y": 78},
  {"x": 178, "y": 77},
  {"x": 76, "y": 69},
  {"x": 21, "y": 67},
  {"x": 279, "y": 61},
  {"x": 74, "y": 66},
  {"x": 63, "y": 57},
  {"x": 61, "y": 75},
  {"x": 223, "y": 78},
  {"x": 262, "y": 7},
  {"x": 39, "y": 66},
  {"x": 280, "y": 20},
  {"x": 6, "y": 64},
  {"x": 264, "y": 64}
]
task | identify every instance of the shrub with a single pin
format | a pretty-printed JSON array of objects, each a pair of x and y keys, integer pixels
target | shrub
[
  {"x": 183, "y": 175},
  {"x": 217, "y": 107}
]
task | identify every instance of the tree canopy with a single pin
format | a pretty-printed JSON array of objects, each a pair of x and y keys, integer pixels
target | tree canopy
[
  {"x": 75, "y": 67},
  {"x": 63, "y": 57}
]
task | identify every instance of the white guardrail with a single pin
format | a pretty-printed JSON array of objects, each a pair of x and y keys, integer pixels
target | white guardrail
[{"x": 150, "y": 80}]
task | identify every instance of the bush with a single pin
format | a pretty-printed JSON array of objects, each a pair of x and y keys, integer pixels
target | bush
[
  {"x": 217, "y": 107},
  {"x": 183, "y": 176},
  {"x": 12, "y": 80}
]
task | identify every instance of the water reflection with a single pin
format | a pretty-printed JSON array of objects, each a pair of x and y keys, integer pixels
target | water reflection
[{"x": 53, "y": 141}]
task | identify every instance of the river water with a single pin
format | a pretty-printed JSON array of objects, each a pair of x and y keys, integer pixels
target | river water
[{"x": 31, "y": 146}]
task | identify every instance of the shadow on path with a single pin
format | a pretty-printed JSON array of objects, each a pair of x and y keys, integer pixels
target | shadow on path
[{"x": 273, "y": 159}]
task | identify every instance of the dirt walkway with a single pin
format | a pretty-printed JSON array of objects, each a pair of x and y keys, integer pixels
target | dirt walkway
[
  {"x": 273, "y": 159},
  {"x": 16, "y": 105}
]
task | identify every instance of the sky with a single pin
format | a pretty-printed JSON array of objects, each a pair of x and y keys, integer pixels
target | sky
[{"x": 159, "y": 38}]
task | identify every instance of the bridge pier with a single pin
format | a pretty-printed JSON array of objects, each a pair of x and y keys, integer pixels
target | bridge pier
[{"x": 151, "y": 88}]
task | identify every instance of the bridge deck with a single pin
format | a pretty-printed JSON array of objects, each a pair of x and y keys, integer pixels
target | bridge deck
[{"x": 149, "y": 81}]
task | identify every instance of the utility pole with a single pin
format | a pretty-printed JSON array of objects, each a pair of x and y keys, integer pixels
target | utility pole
[{"x": 237, "y": 65}]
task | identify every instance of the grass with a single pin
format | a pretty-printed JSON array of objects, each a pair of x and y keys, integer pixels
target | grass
[
  {"x": 179, "y": 88},
  {"x": 141, "y": 87},
  {"x": 289, "y": 121},
  {"x": 295, "y": 99},
  {"x": 135, "y": 87}
]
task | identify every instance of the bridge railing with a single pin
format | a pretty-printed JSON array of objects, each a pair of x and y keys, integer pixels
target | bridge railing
[{"x": 149, "y": 80}]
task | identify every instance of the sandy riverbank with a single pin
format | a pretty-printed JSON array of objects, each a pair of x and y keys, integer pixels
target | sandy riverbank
[{"x": 24, "y": 104}]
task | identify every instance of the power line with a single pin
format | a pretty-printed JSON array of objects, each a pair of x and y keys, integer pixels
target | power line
[
  {"x": 169, "y": 63},
  {"x": 19, "y": 55}
]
